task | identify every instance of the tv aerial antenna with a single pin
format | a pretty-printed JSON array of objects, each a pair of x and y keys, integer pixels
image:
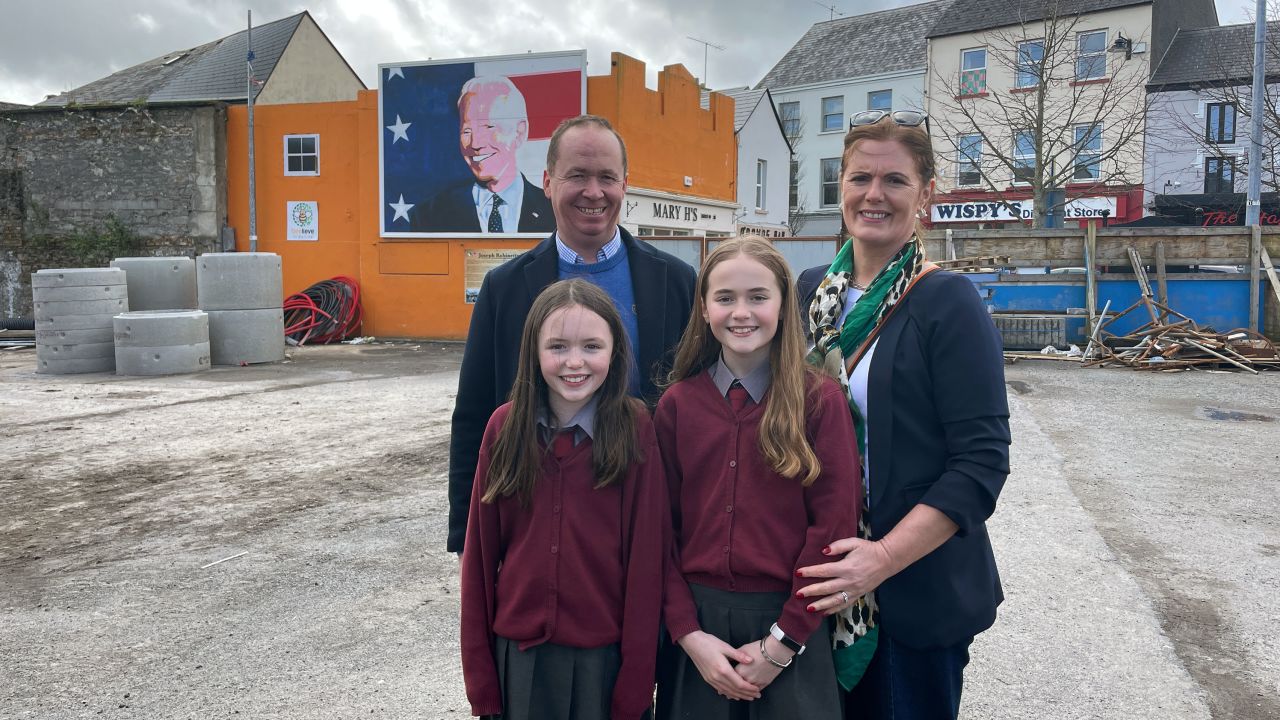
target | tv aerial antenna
[
  {"x": 706, "y": 45},
  {"x": 830, "y": 8}
]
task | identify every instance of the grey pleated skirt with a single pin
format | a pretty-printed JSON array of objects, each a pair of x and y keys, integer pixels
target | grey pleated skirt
[
  {"x": 555, "y": 682},
  {"x": 808, "y": 689}
]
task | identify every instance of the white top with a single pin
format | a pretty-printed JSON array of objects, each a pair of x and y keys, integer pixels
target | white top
[{"x": 858, "y": 389}]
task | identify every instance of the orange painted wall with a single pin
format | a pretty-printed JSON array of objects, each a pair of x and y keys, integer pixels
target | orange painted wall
[
  {"x": 415, "y": 288},
  {"x": 669, "y": 136}
]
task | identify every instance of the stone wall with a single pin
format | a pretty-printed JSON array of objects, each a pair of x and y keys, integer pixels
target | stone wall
[{"x": 160, "y": 170}]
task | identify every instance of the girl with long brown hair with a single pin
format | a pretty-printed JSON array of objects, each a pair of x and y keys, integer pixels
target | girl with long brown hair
[
  {"x": 563, "y": 560},
  {"x": 762, "y": 468}
]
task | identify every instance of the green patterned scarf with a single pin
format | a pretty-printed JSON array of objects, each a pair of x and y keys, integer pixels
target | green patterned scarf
[{"x": 837, "y": 349}]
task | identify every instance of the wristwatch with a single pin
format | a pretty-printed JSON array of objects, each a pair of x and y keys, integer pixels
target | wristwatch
[{"x": 787, "y": 641}]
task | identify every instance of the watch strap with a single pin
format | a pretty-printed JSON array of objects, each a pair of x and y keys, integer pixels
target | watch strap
[{"x": 787, "y": 641}]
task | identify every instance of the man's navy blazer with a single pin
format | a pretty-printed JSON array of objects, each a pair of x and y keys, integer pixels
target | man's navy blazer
[
  {"x": 939, "y": 435},
  {"x": 663, "y": 287},
  {"x": 454, "y": 210}
]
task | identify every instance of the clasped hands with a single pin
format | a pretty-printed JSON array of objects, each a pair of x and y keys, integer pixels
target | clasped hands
[{"x": 735, "y": 673}]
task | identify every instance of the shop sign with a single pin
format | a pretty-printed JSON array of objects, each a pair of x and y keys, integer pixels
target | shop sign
[
  {"x": 676, "y": 214},
  {"x": 1078, "y": 209}
]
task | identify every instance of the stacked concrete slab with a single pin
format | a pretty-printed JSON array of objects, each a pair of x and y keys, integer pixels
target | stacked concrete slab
[
  {"x": 160, "y": 283},
  {"x": 243, "y": 294},
  {"x": 73, "y": 309},
  {"x": 161, "y": 342}
]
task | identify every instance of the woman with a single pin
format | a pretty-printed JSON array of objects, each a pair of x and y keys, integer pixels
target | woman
[{"x": 921, "y": 362}]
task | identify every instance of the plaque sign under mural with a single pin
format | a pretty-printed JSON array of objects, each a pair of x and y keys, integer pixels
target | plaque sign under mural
[
  {"x": 477, "y": 263},
  {"x": 302, "y": 220}
]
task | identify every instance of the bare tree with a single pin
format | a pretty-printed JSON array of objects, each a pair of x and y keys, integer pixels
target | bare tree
[
  {"x": 1070, "y": 116},
  {"x": 797, "y": 198}
]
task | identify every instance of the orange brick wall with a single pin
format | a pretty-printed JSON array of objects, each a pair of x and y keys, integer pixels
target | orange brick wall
[{"x": 414, "y": 288}]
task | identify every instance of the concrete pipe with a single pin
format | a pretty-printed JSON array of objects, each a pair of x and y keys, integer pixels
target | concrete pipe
[
  {"x": 80, "y": 293},
  {"x": 71, "y": 367},
  {"x": 160, "y": 328},
  {"x": 164, "y": 360},
  {"x": 51, "y": 311},
  {"x": 160, "y": 283},
  {"x": 81, "y": 351},
  {"x": 77, "y": 277},
  {"x": 74, "y": 337},
  {"x": 246, "y": 336},
  {"x": 239, "y": 281}
]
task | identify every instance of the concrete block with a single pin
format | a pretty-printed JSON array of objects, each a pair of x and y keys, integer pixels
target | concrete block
[
  {"x": 54, "y": 310},
  {"x": 74, "y": 337},
  {"x": 84, "y": 292},
  {"x": 246, "y": 336},
  {"x": 76, "y": 322},
  {"x": 160, "y": 328},
  {"x": 82, "y": 351},
  {"x": 77, "y": 277},
  {"x": 71, "y": 367},
  {"x": 166, "y": 360},
  {"x": 159, "y": 283},
  {"x": 239, "y": 281}
]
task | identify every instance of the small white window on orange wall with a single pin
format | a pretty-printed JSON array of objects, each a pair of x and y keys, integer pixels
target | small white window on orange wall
[{"x": 301, "y": 154}]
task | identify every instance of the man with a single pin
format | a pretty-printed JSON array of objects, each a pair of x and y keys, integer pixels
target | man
[
  {"x": 493, "y": 124},
  {"x": 586, "y": 182}
]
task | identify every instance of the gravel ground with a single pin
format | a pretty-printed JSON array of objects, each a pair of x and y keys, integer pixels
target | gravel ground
[{"x": 1138, "y": 539}]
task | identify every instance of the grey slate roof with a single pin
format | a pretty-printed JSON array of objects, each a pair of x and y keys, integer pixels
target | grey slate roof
[
  {"x": 213, "y": 71},
  {"x": 850, "y": 47},
  {"x": 1215, "y": 55},
  {"x": 744, "y": 102},
  {"x": 12, "y": 106},
  {"x": 972, "y": 15}
]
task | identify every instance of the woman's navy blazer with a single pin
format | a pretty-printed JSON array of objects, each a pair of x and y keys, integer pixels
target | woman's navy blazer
[{"x": 939, "y": 435}]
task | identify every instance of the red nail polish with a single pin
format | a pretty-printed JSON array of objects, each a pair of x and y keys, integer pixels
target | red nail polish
[
  {"x": 799, "y": 574},
  {"x": 826, "y": 550},
  {"x": 811, "y": 609},
  {"x": 800, "y": 594}
]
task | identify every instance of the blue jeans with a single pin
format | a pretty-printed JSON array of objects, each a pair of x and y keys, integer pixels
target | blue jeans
[{"x": 903, "y": 683}]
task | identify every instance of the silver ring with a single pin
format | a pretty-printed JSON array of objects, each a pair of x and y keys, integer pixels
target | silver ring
[{"x": 844, "y": 598}]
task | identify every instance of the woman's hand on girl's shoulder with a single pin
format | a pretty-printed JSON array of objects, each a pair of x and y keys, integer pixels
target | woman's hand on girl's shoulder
[{"x": 712, "y": 656}]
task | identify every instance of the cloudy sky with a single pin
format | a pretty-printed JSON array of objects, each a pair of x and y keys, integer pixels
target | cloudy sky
[{"x": 49, "y": 46}]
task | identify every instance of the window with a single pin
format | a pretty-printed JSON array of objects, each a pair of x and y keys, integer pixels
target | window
[
  {"x": 1024, "y": 156},
  {"x": 973, "y": 71},
  {"x": 644, "y": 231},
  {"x": 1220, "y": 123},
  {"x": 969, "y": 160},
  {"x": 793, "y": 191},
  {"x": 1091, "y": 55},
  {"x": 1088, "y": 147},
  {"x": 301, "y": 154},
  {"x": 1030, "y": 56},
  {"x": 762, "y": 172},
  {"x": 790, "y": 114},
  {"x": 1219, "y": 175},
  {"x": 830, "y": 182},
  {"x": 880, "y": 100},
  {"x": 832, "y": 114}
]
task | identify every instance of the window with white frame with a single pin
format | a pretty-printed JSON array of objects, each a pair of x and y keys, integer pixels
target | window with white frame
[
  {"x": 1024, "y": 156},
  {"x": 830, "y": 182},
  {"x": 832, "y": 114},
  {"x": 1219, "y": 175},
  {"x": 1220, "y": 123},
  {"x": 1091, "y": 55},
  {"x": 762, "y": 173},
  {"x": 973, "y": 71},
  {"x": 969, "y": 160},
  {"x": 1088, "y": 147},
  {"x": 880, "y": 100},
  {"x": 1030, "y": 58},
  {"x": 790, "y": 114},
  {"x": 301, "y": 154}
]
